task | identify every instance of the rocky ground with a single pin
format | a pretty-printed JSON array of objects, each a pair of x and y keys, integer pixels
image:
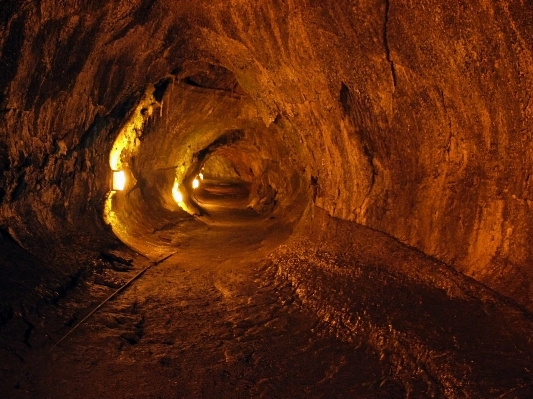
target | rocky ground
[{"x": 346, "y": 313}]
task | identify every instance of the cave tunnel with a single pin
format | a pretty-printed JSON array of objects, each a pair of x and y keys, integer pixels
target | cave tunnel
[{"x": 275, "y": 199}]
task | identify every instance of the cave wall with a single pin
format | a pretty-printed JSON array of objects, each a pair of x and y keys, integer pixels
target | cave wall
[
  {"x": 220, "y": 167},
  {"x": 416, "y": 118},
  {"x": 69, "y": 78},
  {"x": 411, "y": 118}
]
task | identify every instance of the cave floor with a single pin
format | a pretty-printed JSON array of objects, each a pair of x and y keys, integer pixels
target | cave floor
[
  {"x": 219, "y": 320},
  {"x": 211, "y": 321}
]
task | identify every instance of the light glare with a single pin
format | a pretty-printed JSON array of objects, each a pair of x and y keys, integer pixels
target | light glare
[
  {"x": 176, "y": 194},
  {"x": 119, "y": 180},
  {"x": 195, "y": 183}
]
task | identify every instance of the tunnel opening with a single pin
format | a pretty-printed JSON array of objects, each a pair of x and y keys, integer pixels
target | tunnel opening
[
  {"x": 199, "y": 122},
  {"x": 219, "y": 180}
]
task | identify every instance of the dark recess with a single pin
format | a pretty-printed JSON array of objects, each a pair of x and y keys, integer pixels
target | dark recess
[
  {"x": 161, "y": 88},
  {"x": 11, "y": 52}
]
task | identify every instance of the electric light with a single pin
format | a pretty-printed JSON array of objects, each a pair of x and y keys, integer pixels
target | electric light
[
  {"x": 195, "y": 183},
  {"x": 201, "y": 176},
  {"x": 119, "y": 180},
  {"x": 176, "y": 194}
]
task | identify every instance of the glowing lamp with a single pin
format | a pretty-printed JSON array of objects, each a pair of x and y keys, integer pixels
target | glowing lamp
[
  {"x": 195, "y": 183},
  {"x": 176, "y": 193},
  {"x": 201, "y": 176},
  {"x": 119, "y": 180}
]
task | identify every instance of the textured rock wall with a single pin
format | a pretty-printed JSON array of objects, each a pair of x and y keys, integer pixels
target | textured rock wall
[
  {"x": 416, "y": 118},
  {"x": 411, "y": 118},
  {"x": 70, "y": 78},
  {"x": 220, "y": 167}
]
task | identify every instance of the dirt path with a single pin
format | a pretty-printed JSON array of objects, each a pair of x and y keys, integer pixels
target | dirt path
[
  {"x": 212, "y": 321},
  {"x": 336, "y": 311}
]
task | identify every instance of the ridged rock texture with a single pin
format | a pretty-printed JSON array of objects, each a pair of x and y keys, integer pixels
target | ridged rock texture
[{"x": 412, "y": 118}]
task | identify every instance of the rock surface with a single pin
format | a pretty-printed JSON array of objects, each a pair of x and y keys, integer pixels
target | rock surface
[
  {"x": 412, "y": 119},
  {"x": 322, "y": 317}
]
